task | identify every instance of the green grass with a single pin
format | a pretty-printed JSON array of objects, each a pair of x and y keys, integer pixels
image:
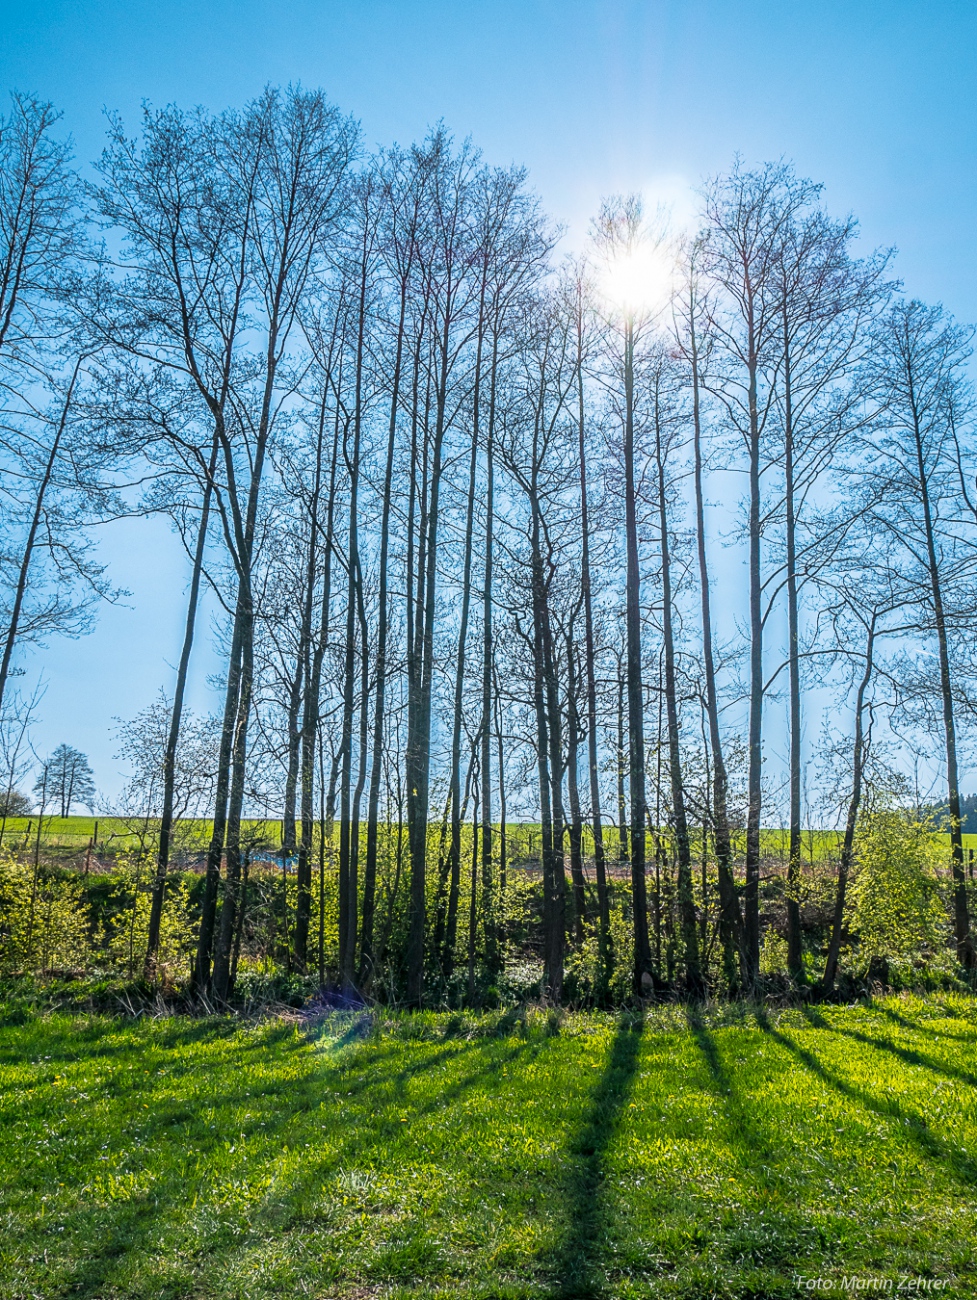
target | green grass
[
  {"x": 116, "y": 833},
  {"x": 725, "y": 1154}
]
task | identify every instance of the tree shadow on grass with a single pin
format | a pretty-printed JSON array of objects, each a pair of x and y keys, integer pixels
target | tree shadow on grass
[
  {"x": 754, "y": 1150},
  {"x": 577, "y": 1258},
  {"x": 908, "y": 1054},
  {"x": 962, "y": 1166},
  {"x": 389, "y": 1133},
  {"x": 917, "y": 1027},
  {"x": 120, "y": 1230}
]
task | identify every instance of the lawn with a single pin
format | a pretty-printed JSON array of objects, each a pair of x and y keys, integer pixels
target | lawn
[{"x": 726, "y": 1153}]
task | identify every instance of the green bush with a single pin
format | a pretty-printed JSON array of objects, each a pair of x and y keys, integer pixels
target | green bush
[
  {"x": 896, "y": 907},
  {"x": 44, "y": 920}
]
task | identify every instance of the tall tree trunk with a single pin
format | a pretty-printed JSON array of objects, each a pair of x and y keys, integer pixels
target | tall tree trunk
[
  {"x": 551, "y": 976},
  {"x": 848, "y": 843},
  {"x": 208, "y": 912},
  {"x": 418, "y": 758},
  {"x": 623, "y": 853},
  {"x": 347, "y": 904},
  {"x": 751, "y": 893},
  {"x": 573, "y": 794},
  {"x": 731, "y": 923},
  {"x": 966, "y": 954},
  {"x": 473, "y": 897},
  {"x": 354, "y": 857},
  {"x": 489, "y": 912},
  {"x": 349, "y": 821},
  {"x": 176, "y": 718},
  {"x": 224, "y": 947},
  {"x": 600, "y": 863},
  {"x": 311, "y": 730},
  {"x": 643, "y": 979},
  {"x": 455, "y": 778},
  {"x": 554, "y": 721},
  {"x": 503, "y": 839},
  {"x": 795, "y": 960},
  {"x": 373, "y": 805},
  {"x": 690, "y": 942}
]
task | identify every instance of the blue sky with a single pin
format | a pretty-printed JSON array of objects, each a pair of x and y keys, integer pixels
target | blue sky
[{"x": 877, "y": 100}]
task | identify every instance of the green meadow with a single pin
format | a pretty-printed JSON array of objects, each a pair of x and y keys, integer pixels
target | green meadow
[
  {"x": 729, "y": 1152},
  {"x": 116, "y": 834}
]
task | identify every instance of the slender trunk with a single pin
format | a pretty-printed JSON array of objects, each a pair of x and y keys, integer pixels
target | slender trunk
[
  {"x": 235, "y": 807},
  {"x": 454, "y": 878},
  {"x": 489, "y": 912},
  {"x": 966, "y": 954},
  {"x": 373, "y": 803},
  {"x": 848, "y": 843},
  {"x": 730, "y": 922},
  {"x": 173, "y": 736},
  {"x": 686, "y": 902},
  {"x": 419, "y": 739},
  {"x": 500, "y": 760},
  {"x": 361, "y": 770},
  {"x": 455, "y": 794},
  {"x": 573, "y": 794},
  {"x": 208, "y": 912},
  {"x": 623, "y": 855},
  {"x": 751, "y": 893},
  {"x": 305, "y": 742},
  {"x": 349, "y": 825},
  {"x": 311, "y": 730},
  {"x": 346, "y": 904},
  {"x": 600, "y": 863},
  {"x": 643, "y": 979},
  {"x": 559, "y": 881},
  {"x": 30, "y": 542},
  {"x": 322, "y": 865},
  {"x": 795, "y": 960},
  {"x": 552, "y": 734},
  {"x": 473, "y": 899},
  {"x": 241, "y": 918},
  {"x": 550, "y": 975},
  {"x": 294, "y": 733},
  {"x": 229, "y": 797}
]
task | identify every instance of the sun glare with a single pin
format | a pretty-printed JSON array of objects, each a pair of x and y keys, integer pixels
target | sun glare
[{"x": 640, "y": 281}]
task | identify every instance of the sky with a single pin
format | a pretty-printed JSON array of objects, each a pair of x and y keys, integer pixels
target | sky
[{"x": 877, "y": 100}]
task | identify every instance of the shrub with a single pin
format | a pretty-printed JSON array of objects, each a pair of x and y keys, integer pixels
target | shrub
[
  {"x": 44, "y": 920},
  {"x": 896, "y": 907}
]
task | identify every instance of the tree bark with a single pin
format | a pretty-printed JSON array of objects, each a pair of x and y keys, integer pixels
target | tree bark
[
  {"x": 636, "y": 734},
  {"x": 848, "y": 843},
  {"x": 176, "y": 717}
]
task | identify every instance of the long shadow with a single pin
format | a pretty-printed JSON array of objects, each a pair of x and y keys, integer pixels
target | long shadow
[
  {"x": 128, "y": 1227},
  {"x": 83, "y": 1044},
  {"x": 908, "y": 1054},
  {"x": 132, "y": 1225},
  {"x": 748, "y": 1137},
  {"x": 576, "y": 1263},
  {"x": 962, "y": 1166},
  {"x": 916, "y": 1027},
  {"x": 389, "y": 1134}
]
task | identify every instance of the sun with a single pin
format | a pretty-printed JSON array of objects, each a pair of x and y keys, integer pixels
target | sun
[{"x": 638, "y": 281}]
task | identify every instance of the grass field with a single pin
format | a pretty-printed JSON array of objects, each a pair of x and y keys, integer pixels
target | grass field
[
  {"x": 727, "y": 1153},
  {"x": 116, "y": 833}
]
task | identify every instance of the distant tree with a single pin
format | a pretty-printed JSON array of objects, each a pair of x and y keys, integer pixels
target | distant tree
[
  {"x": 14, "y": 804},
  {"x": 67, "y": 779}
]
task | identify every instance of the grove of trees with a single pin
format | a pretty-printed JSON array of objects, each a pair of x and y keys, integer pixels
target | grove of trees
[{"x": 467, "y": 507}]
